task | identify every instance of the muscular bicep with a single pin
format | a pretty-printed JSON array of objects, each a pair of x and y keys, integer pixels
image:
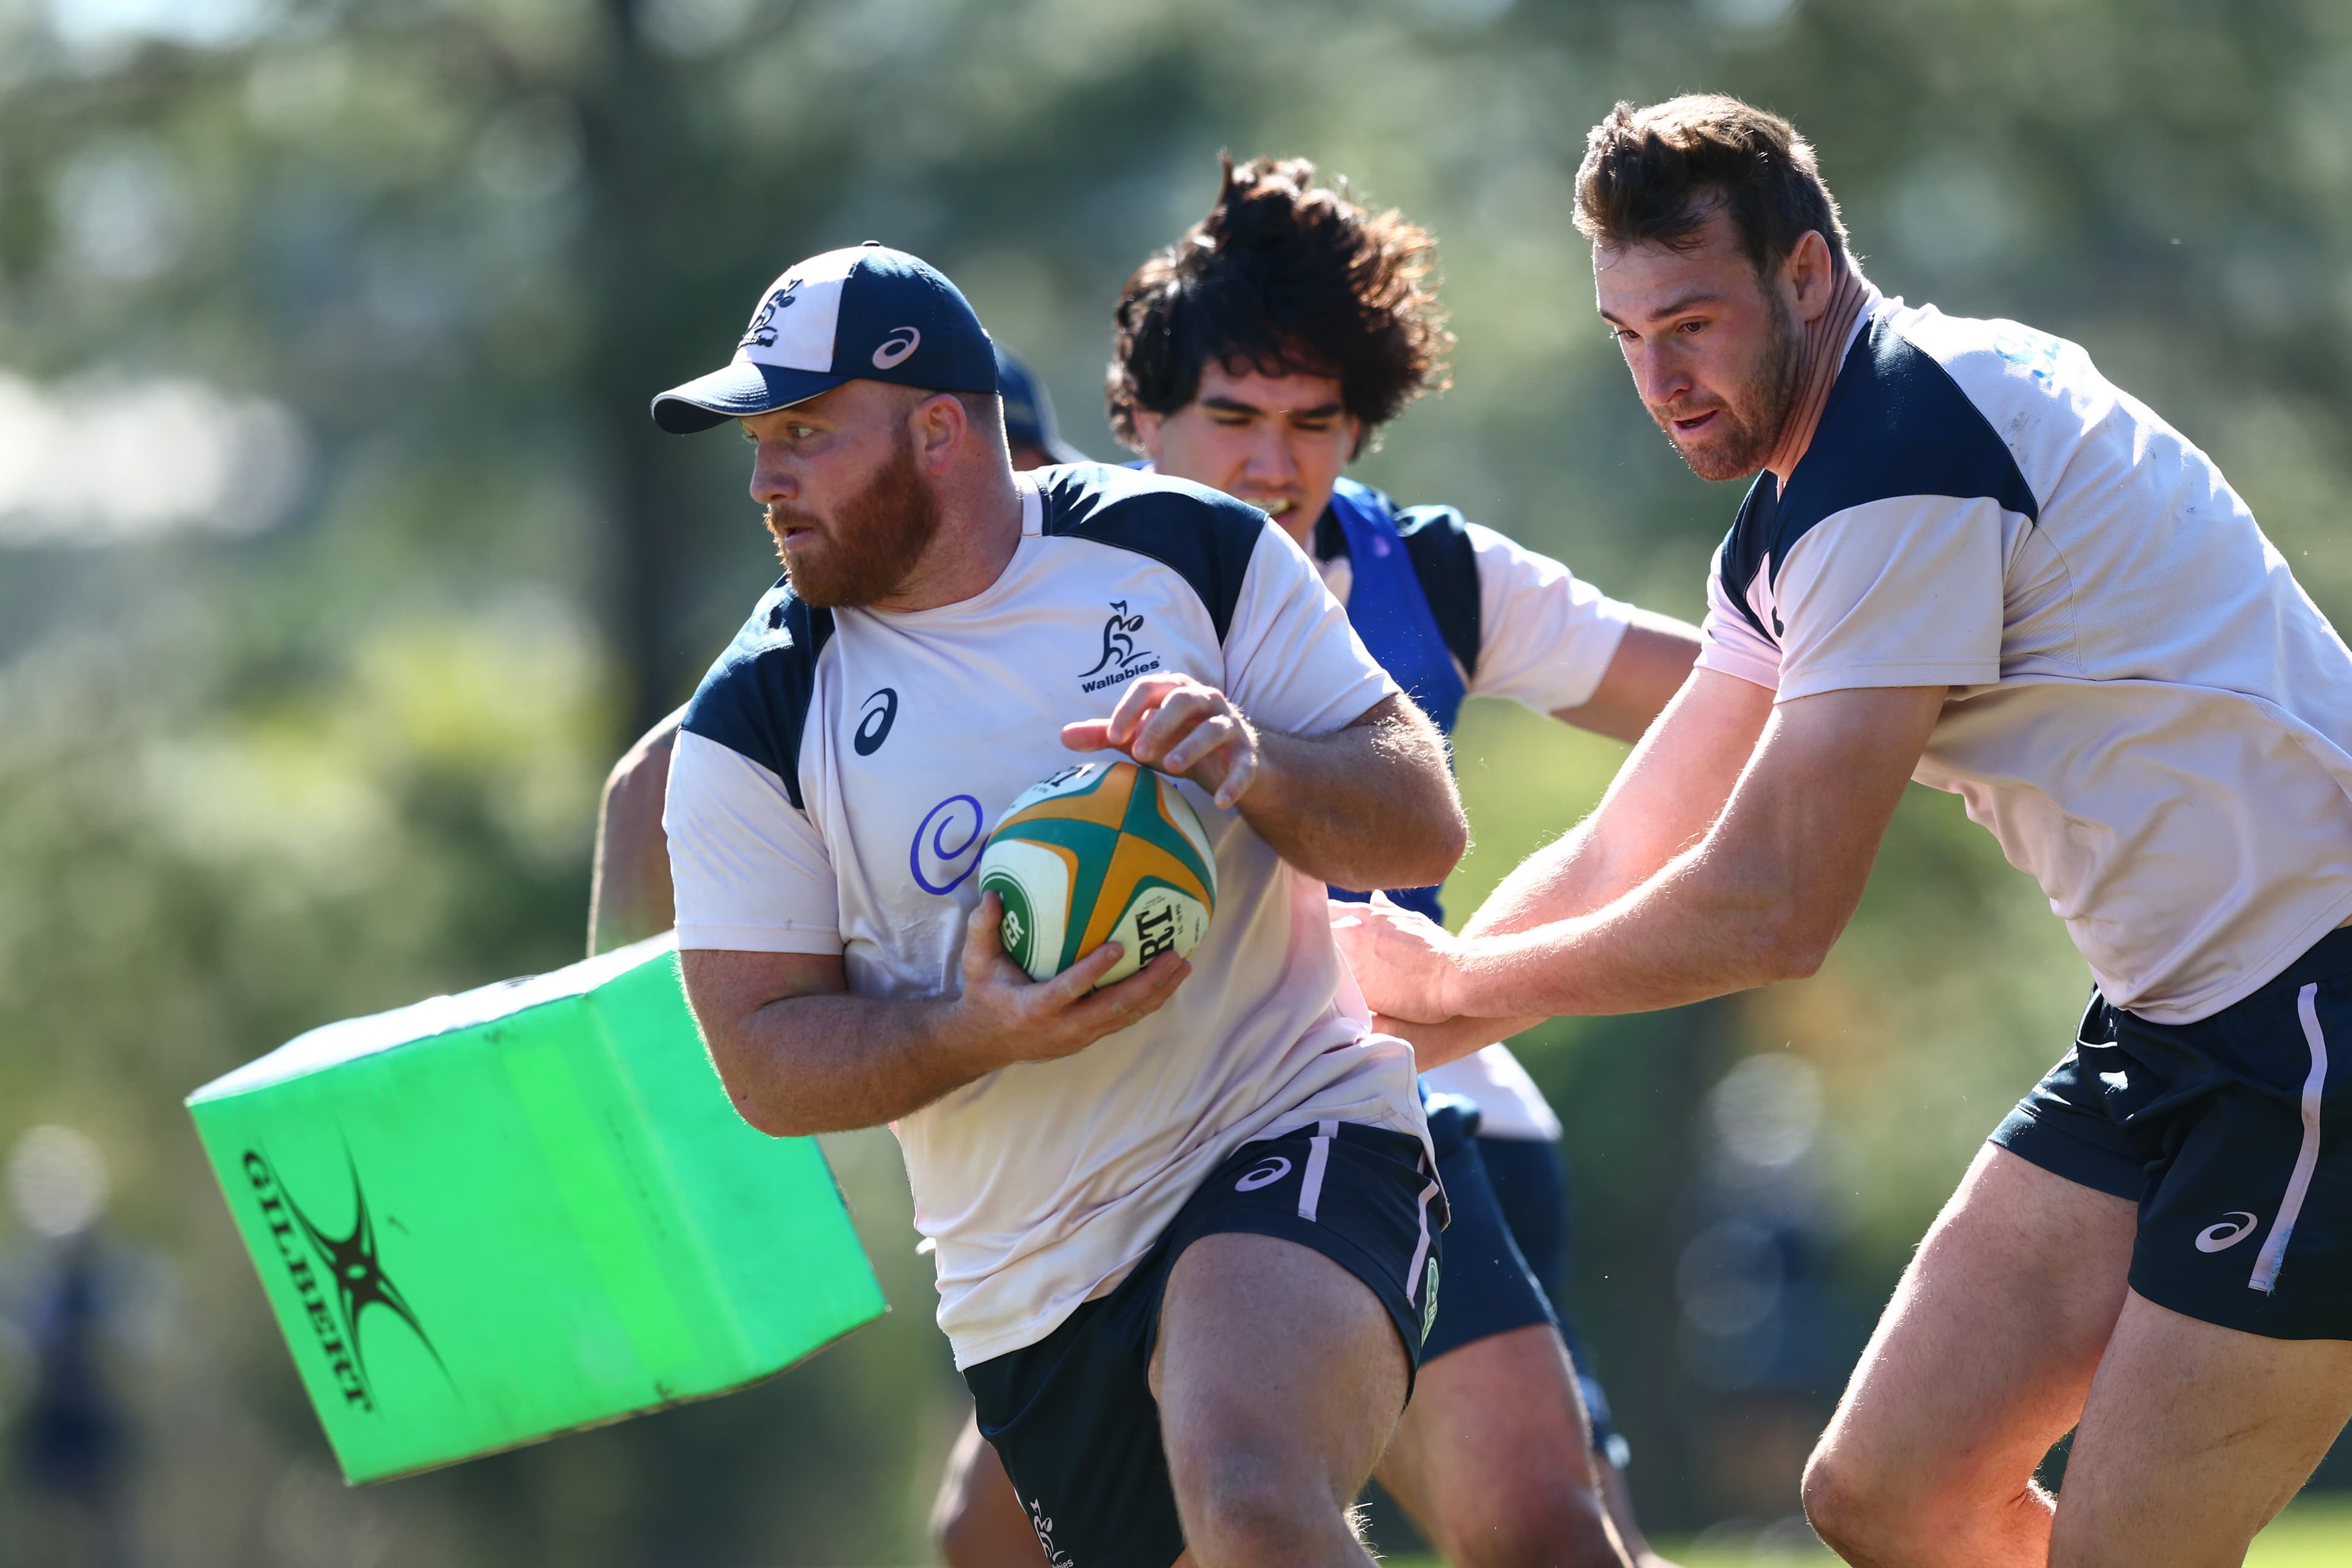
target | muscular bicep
[
  {"x": 1812, "y": 806},
  {"x": 1651, "y": 661}
]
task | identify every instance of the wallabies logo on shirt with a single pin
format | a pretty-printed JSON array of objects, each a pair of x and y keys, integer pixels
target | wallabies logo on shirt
[{"x": 1120, "y": 659}]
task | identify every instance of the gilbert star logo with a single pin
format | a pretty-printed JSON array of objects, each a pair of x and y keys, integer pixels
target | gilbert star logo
[{"x": 353, "y": 1268}]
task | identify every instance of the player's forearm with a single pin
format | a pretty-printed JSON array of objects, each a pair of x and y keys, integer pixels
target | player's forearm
[
  {"x": 1663, "y": 801},
  {"x": 1435, "y": 1045},
  {"x": 1707, "y": 926},
  {"x": 1372, "y": 806},
  {"x": 806, "y": 1065}
]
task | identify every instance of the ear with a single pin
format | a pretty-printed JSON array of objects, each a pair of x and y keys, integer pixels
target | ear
[
  {"x": 1152, "y": 431},
  {"x": 1811, "y": 276},
  {"x": 940, "y": 428},
  {"x": 1356, "y": 434}
]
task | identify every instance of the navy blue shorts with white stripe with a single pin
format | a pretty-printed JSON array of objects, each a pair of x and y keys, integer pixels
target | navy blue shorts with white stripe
[
  {"x": 1073, "y": 1415},
  {"x": 2233, "y": 1134}
]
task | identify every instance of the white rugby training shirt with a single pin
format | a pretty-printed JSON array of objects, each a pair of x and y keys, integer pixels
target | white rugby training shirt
[
  {"x": 2147, "y": 710},
  {"x": 1545, "y": 638},
  {"x": 838, "y": 773}
]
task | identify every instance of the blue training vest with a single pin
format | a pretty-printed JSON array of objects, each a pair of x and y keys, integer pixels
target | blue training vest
[{"x": 1389, "y": 610}]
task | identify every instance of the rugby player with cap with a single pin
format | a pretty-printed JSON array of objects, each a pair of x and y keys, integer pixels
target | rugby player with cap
[
  {"x": 1184, "y": 1233},
  {"x": 629, "y": 893},
  {"x": 1971, "y": 559},
  {"x": 1260, "y": 354}
]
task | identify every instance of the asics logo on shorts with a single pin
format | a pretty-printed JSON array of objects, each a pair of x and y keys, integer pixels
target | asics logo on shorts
[
  {"x": 1265, "y": 1174},
  {"x": 2223, "y": 1236}
]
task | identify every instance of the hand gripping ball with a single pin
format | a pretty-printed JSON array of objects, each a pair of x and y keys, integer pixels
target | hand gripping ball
[{"x": 1103, "y": 852}]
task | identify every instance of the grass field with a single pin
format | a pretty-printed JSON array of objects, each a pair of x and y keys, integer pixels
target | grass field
[{"x": 2315, "y": 1533}]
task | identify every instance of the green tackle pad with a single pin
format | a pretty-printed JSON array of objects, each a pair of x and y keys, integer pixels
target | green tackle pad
[{"x": 489, "y": 1219}]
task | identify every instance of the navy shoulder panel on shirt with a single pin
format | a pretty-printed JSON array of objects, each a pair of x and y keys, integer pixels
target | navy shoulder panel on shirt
[
  {"x": 755, "y": 700},
  {"x": 1437, "y": 540},
  {"x": 1205, "y": 536},
  {"x": 1895, "y": 424}
]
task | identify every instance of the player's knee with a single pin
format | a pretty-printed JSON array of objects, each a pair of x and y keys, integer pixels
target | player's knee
[
  {"x": 965, "y": 1538},
  {"x": 1238, "y": 1513},
  {"x": 1563, "y": 1525}
]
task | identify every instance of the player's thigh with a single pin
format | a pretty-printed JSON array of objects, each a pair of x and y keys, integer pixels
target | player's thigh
[
  {"x": 1492, "y": 1454},
  {"x": 1274, "y": 1368},
  {"x": 977, "y": 1520},
  {"x": 2193, "y": 1437},
  {"x": 1982, "y": 1358}
]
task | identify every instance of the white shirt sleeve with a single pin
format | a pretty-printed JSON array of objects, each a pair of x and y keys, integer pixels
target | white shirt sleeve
[
  {"x": 1902, "y": 592},
  {"x": 1546, "y": 638},
  {"x": 751, "y": 870},
  {"x": 1292, "y": 661},
  {"x": 1730, "y": 645}
]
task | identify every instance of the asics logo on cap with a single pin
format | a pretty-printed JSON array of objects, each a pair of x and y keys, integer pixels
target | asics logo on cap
[
  {"x": 902, "y": 342},
  {"x": 2223, "y": 1236}
]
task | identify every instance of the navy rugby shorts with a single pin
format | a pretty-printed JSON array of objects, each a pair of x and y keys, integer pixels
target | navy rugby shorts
[
  {"x": 2233, "y": 1134},
  {"x": 1073, "y": 1416},
  {"x": 1531, "y": 1185},
  {"x": 1490, "y": 1288}
]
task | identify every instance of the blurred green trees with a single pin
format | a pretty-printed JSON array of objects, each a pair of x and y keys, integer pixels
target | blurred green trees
[{"x": 336, "y": 558}]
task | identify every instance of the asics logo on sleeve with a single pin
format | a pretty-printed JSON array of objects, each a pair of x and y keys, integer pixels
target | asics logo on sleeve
[
  {"x": 1265, "y": 1174},
  {"x": 902, "y": 342},
  {"x": 2221, "y": 1236},
  {"x": 881, "y": 711}
]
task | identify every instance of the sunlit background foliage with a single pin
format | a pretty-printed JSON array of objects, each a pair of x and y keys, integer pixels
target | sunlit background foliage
[{"x": 338, "y": 559}]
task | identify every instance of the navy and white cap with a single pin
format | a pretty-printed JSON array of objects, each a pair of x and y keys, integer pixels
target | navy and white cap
[
  {"x": 867, "y": 312},
  {"x": 1029, "y": 413}
]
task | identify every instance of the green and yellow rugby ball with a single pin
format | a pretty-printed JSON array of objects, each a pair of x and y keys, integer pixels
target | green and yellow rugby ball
[{"x": 1103, "y": 852}]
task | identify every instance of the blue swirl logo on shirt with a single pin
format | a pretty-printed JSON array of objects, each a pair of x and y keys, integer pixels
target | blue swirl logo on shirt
[{"x": 946, "y": 843}]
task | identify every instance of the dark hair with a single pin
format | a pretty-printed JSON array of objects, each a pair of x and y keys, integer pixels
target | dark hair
[
  {"x": 1289, "y": 277},
  {"x": 1653, "y": 176}
]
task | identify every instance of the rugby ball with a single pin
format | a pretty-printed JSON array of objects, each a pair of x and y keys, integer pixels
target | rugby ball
[{"x": 1101, "y": 852}]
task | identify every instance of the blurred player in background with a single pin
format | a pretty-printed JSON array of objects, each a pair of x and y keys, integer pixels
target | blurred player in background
[
  {"x": 1187, "y": 1236},
  {"x": 630, "y": 897},
  {"x": 1969, "y": 558},
  {"x": 1259, "y": 354}
]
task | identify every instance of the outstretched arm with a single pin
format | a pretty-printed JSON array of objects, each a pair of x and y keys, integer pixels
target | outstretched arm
[
  {"x": 1370, "y": 805},
  {"x": 800, "y": 1054},
  {"x": 1759, "y": 896},
  {"x": 1663, "y": 801}
]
